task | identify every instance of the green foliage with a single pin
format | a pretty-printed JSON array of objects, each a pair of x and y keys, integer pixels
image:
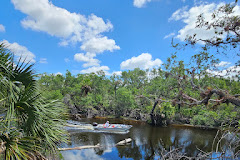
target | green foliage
[
  {"x": 135, "y": 90},
  {"x": 54, "y": 94},
  {"x": 202, "y": 120},
  {"x": 147, "y": 109},
  {"x": 30, "y": 125},
  {"x": 124, "y": 101},
  {"x": 167, "y": 109},
  {"x": 224, "y": 114}
]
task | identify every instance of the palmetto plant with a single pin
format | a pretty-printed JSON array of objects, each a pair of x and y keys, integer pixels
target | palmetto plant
[
  {"x": 29, "y": 124},
  {"x": 15, "y": 146}
]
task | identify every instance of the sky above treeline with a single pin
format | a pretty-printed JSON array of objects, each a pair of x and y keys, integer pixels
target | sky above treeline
[{"x": 85, "y": 36}]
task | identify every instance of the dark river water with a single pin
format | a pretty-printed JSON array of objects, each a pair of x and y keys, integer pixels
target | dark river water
[{"x": 147, "y": 141}]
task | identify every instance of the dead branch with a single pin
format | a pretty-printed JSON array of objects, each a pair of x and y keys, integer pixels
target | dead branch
[{"x": 224, "y": 98}]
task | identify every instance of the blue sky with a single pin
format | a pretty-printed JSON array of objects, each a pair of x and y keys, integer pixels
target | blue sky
[{"x": 84, "y": 36}]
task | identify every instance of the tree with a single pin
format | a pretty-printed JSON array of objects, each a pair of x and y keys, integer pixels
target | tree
[
  {"x": 193, "y": 85},
  {"x": 30, "y": 126},
  {"x": 226, "y": 25},
  {"x": 124, "y": 101}
]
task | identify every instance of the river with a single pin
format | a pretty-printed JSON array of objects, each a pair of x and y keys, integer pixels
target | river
[{"x": 147, "y": 141}]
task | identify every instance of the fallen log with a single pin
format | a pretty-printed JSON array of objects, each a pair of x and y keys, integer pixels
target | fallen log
[
  {"x": 79, "y": 148},
  {"x": 123, "y": 142}
]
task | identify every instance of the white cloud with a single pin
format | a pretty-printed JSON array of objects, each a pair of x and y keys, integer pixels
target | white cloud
[
  {"x": 231, "y": 72},
  {"x": 179, "y": 14},
  {"x": 63, "y": 43},
  {"x": 2, "y": 28},
  {"x": 20, "y": 51},
  {"x": 81, "y": 57},
  {"x": 58, "y": 73},
  {"x": 66, "y": 60},
  {"x": 71, "y": 28},
  {"x": 43, "y": 16},
  {"x": 189, "y": 18},
  {"x": 99, "y": 45},
  {"x": 95, "y": 69},
  {"x": 143, "y": 61},
  {"x": 140, "y": 3},
  {"x": 169, "y": 35},
  {"x": 88, "y": 58},
  {"x": 43, "y": 60},
  {"x": 222, "y": 64},
  {"x": 118, "y": 73},
  {"x": 95, "y": 26}
]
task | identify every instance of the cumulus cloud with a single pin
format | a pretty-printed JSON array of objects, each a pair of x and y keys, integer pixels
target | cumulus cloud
[
  {"x": 143, "y": 61},
  {"x": 94, "y": 69},
  {"x": 43, "y": 16},
  {"x": 189, "y": 18},
  {"x": 94, "y": 46},
  {"x": 99, "y": 45},
  {"x": 222, "y": 64},
  {"x": 20, "y": 51},
  {"x": 169, "y": 35},
  {"x": 43, "y": 60},
  {"x": 140, "y": 3},
  {"x": 88, "y": 58},
  {"x": 71, "y": 28},
  {"x": 2, "y": 28}
]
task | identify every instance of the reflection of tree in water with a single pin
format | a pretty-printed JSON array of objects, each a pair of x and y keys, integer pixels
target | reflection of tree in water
[
  {"x": 144, "y": 146},
  {"x": 154, "y": 139},
  {"x": 85, "y": 138},
  {"x": 148, "y": 142},
  {"x": 132, "y": 151},
  {"x": 99, "y": 151},
  {"x": 188, "y": 142}
]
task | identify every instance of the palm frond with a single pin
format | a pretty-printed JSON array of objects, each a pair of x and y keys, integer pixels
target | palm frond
[{"x": 29, "y": 119}]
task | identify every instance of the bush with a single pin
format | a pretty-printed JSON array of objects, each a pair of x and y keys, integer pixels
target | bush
[
  {"x": 168, "y": 110},
  {"x": 202, "y": 120},
  {"x": 125, "y": 100}
]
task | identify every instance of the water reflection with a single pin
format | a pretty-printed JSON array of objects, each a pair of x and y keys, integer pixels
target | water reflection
[
  {"x": 87, "y": 154},
  {"x": 147, "y": 142}
]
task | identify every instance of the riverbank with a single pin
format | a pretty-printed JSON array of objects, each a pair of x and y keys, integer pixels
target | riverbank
[
  {"x": 161, "y": 118},
  {"x": 132, "y": 120}
]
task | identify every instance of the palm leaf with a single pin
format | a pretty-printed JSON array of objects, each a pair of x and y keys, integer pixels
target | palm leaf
[{"x": 33, "y": 116}]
